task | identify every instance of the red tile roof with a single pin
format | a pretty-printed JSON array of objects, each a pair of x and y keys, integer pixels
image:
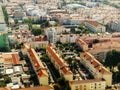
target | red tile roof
[
  {"x": 94, "y": 23},
  {"x": 37, "y": 63},
  {"x": 11, "y": 58},
  {"x": 16, "y": 59},
  {"x": 38, "y": 88},
  {"x": 80, "y": 42},
  {"x": 58, "y": 60},
  {"x": 96, "y": 64}
]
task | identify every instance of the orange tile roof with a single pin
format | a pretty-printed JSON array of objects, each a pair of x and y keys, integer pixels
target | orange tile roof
[
  {"x": 16, "y": 59},
  {"x": 97, "y": 65},
  {"x": 37, "y": 63},
  {"x": 58, "y": 60},
  {"x": 94, "y": 23},
  {"x": 38, "y": 88},
  {"x": 4, "y": 89},
  {"x": 11, "y": 58},
  {"x": 80, "y": 42}
]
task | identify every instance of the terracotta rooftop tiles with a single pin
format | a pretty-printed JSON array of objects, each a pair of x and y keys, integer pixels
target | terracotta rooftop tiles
[
  {"x": 11, "y": 58},
  {"x": 38, "y": 88},
  {"x": 93, "y": 23},
  {"x": 58, "y": 60},
  {"x": 16, "y": 59},
  {"x": 81, "y": 42},
  {"x": 97, "y": 65},
  {"x": 37, "y": 63}
]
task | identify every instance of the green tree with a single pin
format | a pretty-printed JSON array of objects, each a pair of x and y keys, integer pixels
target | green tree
[
  {"x": 45, "y": 58},
  {"x": 61, "y": 81},
  {"x": 36, "y": 30},
  {"x": 45, "y": 24},
  {"x": 2, "y": 84},
  {"x": 69, "y": 60},
  {"x": 112, "y": 58},
  {"x": 28, "y": 22},
  {"x": 16, "y": 21},
  {"x": 118, "y": 66},
  {"x": 7, "y": 79}
]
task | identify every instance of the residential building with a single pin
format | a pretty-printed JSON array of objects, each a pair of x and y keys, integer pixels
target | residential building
[
  {"x": 96, "y": 68},
  {"x": 114, "y": 26},
  {"x": 37, "y": 44},
  {"x": 70, "y": 38},
  {"x": 39, "y": 68},
  {"x": 7, "y": 62},
  {"x": 51, "y": 35},
  {"x": 95, "y": 26},
  {"x": 58, "y": 29},
  {"x": 94, "y": 84},
  {"x": 83, "y": 45},
  {"x": 20, "y": 36},
  {"x": 43, "y": 87},
  {"x": 59, "y": 63},
  {"x": 25, "y": 78}
]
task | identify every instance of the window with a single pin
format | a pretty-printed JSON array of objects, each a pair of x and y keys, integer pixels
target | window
[{"x": 76, "y": 87}]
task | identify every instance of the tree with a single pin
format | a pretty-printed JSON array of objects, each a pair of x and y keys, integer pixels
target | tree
[
  {"x": 7, "y": 79},
  {"x": 28, "y": 22},
  {"x": 45, "y": 24},
  {"x": 16, "y": 21},
  {"x": 112, "y": 59},
  {"x": 45, "y": 58},
  {"x": 36, "y": 30},
  {"x": 118, "y": 66},
  {"x": 61, "y": 81},
  {"x": 69, "y": 60}
]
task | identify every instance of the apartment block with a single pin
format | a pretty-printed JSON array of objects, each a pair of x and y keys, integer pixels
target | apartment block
[
  {"x": 96, "y": 68},
  {"x": 40, "y": 70},
  {"x": 83, "y": 45},
  {"x": 95, "y": 26},
  {"x": 59, "y": 63},
  {"x": 37, "y": 44},
  {"x": 94, "y": 84}
]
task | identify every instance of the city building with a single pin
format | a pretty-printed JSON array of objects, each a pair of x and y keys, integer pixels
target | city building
[
  {"x": 94, "y": 84},
  {"x": 7, "y": 61},
  {"x": 39, "y": 68},
  {"x": 51, "y": 35},
  {"x": 43, "y": 87},
  {"x": 83, "y": 45},
  {"x": 96, "y": 68},
  {"x": 37, "y": 44},
  {"x": 59, "y": 63},
  {"x": 95, "y": 26},
  {"x": 114, "y": 26}
]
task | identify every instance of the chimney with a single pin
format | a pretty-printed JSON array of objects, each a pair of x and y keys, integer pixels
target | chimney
[{"x": 91, "y": 61}]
